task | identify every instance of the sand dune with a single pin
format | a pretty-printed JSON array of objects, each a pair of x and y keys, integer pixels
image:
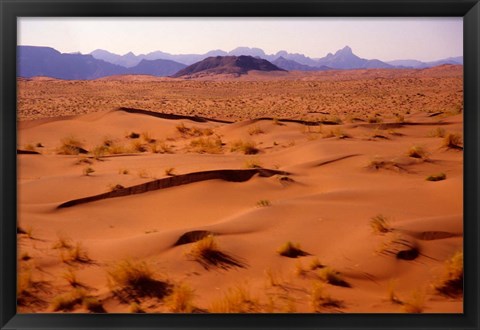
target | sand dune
[{"x": 209, "y": 202}]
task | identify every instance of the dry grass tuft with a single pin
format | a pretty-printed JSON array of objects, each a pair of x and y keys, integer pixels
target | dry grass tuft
[
  {"x": 247, "y": 148},
  {"x": 204, "y": 247},
  {"x": 392, "y": 296},
  {"x": 255, "y": 130},
  {"x": 436, "y": 177},
  {"x": 437, "y": 132},
  {"x": 181, "y": 299},
  {"x": 63, "y": 242},
  {"x": 252, "y": 163},
  {"x": 71, "y": 277},
  {"x": 136, "y": 308},
  {"x": 70, "y": 145},
  {"x": 130, "y": 275},
  {"x": 316, "y": 264},
  {"x": 273, "y": 278},
  {"x": 453, "y": 141},
  {"x": 67, "y": 301},
  {"x": 451, "y": 283},
  {"x": 264, "y": 203},
  {"x": 415, "y": 304},
  {"x": 380, "y": 224},
  {"x": 160, "y": 147},
  {"x": 170, "y": 171},
  {"x": 209, "y": 145},
  {"x": 291, "y": 250},
  {"x": 320, "y": 299},
  {"x": 88, "y": 170},
  {"x": 333, "y": 277},
  {"x": 417, "y": 152},
  {"x": 236, "y": 300},
  {"x": 193, "y": 131},
  {"x": 93, "y": 305},
  {"x": 76, "y": 253}
]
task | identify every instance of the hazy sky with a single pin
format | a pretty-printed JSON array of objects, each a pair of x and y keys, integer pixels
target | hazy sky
[{"x": 381, "y": 38}]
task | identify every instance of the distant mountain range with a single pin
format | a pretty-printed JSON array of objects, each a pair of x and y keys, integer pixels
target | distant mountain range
[
  {"x": 227, "y": 65},
  {"x": 46, "y": 61}
]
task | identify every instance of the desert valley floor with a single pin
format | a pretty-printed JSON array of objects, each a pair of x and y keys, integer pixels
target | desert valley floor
[{"x": 335, "y": 191}]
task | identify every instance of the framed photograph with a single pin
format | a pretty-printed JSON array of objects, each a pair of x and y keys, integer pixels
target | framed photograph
[{"x": 239, "y": 165}]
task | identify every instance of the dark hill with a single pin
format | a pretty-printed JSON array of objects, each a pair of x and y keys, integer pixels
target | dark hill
[
  {"x": 291, "y": 65},
  {"x": 228, "y": 65}
]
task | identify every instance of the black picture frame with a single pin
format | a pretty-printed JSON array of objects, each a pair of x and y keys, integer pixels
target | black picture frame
[{"x": 10, "y": 10}]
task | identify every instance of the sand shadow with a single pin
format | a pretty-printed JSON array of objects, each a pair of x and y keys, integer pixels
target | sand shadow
[{"x": 218, "y": 259}]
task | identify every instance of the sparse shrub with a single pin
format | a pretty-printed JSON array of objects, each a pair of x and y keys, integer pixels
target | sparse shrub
[
  {"x": 115, "y": 187},
  {"x": 63, "y": 242},
  {"x": 193, "y": 131},
  {"x": 29, "y": 147},
  {"x": 417, "y": 152},
  {"x": 93, "y": 305},
  {"x": 88, "y": 170},
  {"x": 39, "y": 145},
  {"x": 299, "y": 269},
  {"x": 147, "y": 137},
  {"x": 248, "y": 148},
  {"x": 160, "y": 147},
  {"x": 320, "y": 299},
  {"x": 436, "y": 177},
  {"x": 316, "y": 264},
  {"x": 253, "y": 163},
  {"x": 374, "y": 120},
  {"x": 116, "y": 149},
  {"x": 290, "y": 250},
  {"x": 264, "y": 203},
  {"x": 273, "y": 279},
  {"x": 136, "y": 308},
  {"x": 143, "y": 174},
  {"x": 29, "y": 232},
  {"x": 25, "y": 256},
  {"x": 25, "y": 284},
  {"x": 123, "y": 171},
  {"x": 133, "y": 135},
  {"x": 170, "y": 171},
  {"x": 67, "y": 301},
  {"x": 332, "y": 277},
  {"x": 76, "y": 254},
  {"x": 451, "y": 284},
  {"x": 137, "y": 146},
  {"x": 210, "y": 145},
  {"x": 202, "y": 248},
  {"x": 337, "y": 132},
  {"x": 71, "y": 277},
  {"x": 130, "y": 275},
  {"x": 380, "y": 224},
  {"x": 255, "y": 130},
  {"x": 70, "y": 146},
  {"x": 181, "y": 299},
  {"x": 437, "y": 132},
  {"x": 99, "y": 151},
  {"x": 452, "y": 141},
  {"x": 415, "y": 304},
  {"x": 392, "y": 296},
  {"x": 236, "y": 300}
]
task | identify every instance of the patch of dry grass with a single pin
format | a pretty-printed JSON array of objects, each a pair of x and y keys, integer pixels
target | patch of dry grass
[
  {"x": 451, "y": 283},
  {"x": 436, "y": 177},
  {"x": 437, "y": 132},
  {"x": 380, "y": 224},
  {"x": 452, "y": 141},
  {"x": 333, "y": 277},
  {"x": 320, "y": 299},
  {"x": 246, "y": 147},
  {"x": 131, "y": 275},
  {"x": 180, "y": 299},
  {"x": 415, "y": 304},
  {"x": 255, "y": 130},
  {"x": 417, "y": 152},
  {"x": 209, "y": 145},
  {"x": 70, "y": 145},
  {"x": 290, "y": 250},
  {"x": 67, "y": 301},
  {"x": 236, "y": 300},
  {"x": 252, "y": 163},
  {"x": 88, "y": 170}
]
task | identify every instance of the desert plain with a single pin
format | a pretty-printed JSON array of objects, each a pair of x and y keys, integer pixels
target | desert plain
[{"x": 290, "y": 192}]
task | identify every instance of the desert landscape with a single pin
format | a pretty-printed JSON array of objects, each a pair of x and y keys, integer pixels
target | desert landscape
[{"x": 336, "y": 191}]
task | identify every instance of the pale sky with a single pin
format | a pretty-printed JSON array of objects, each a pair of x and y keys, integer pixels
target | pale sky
[{"x": 386, "y": 39}]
